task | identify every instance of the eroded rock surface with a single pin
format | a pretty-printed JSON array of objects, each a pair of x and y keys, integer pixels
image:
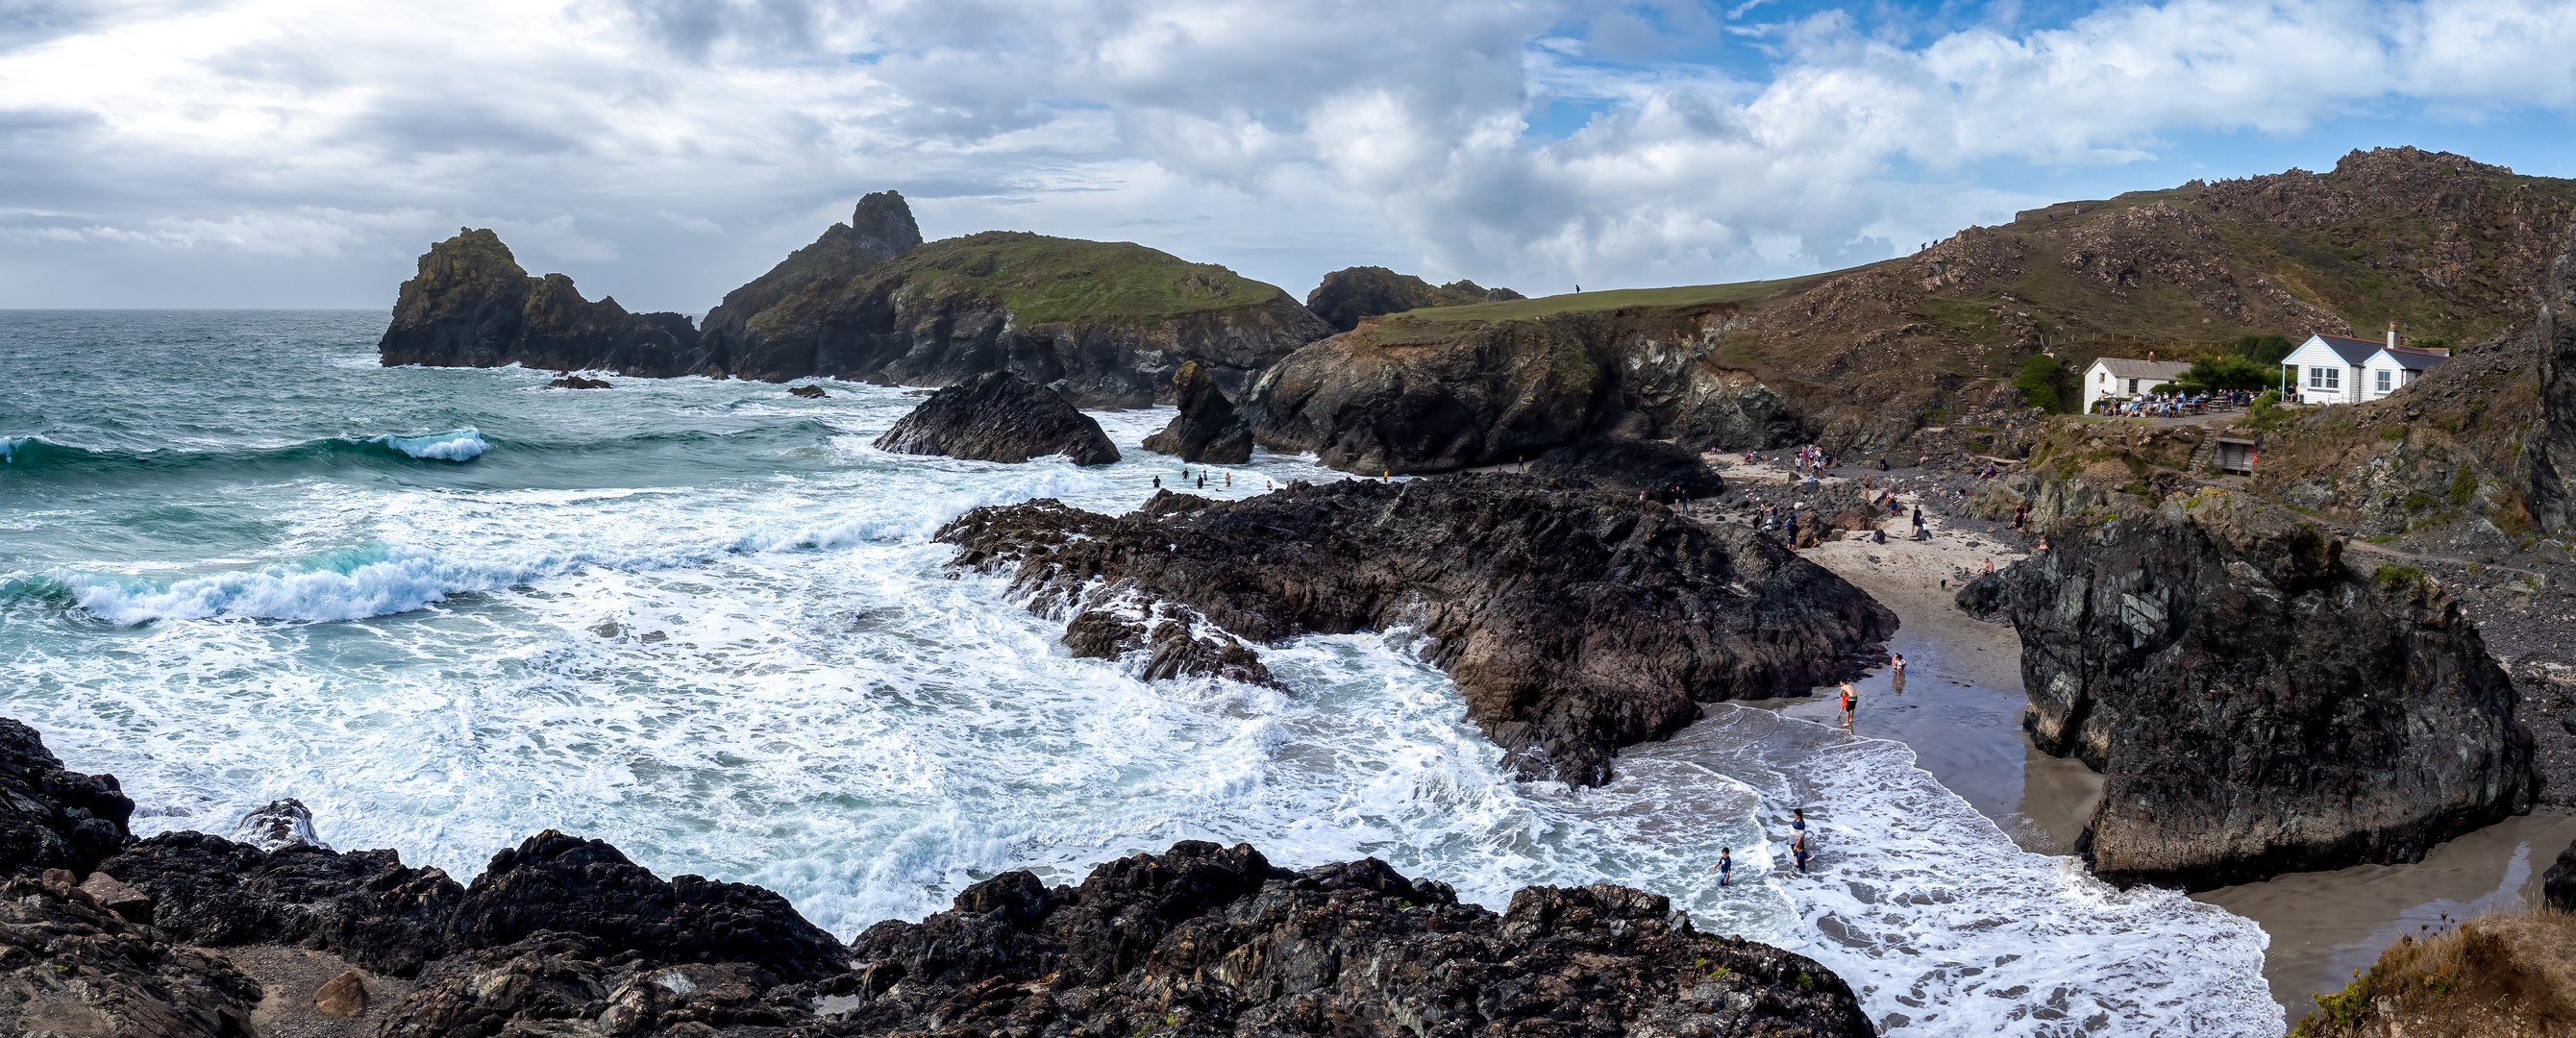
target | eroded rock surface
[
  {"x": 472, "y": 305},
  {"x": 1661, "y": 471},
  {"x": 52, "y": 817},
  {"x": 1574, "y": 621},
  {"x": 71, "y": 967},
  {"x": 1207, "y": 429},
  {"x": 1208, "y": 940},
  {"x": 999, "y": 416},
  {"x": 2257, "y": 702}
]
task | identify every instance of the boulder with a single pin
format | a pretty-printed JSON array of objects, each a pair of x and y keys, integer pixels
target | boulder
[
  {"x": 999, "y": 416},
  {"x": 365, "y": 906},
  {"x": 1662, "y": 471},
  {"x": 472, "y": 305},
  {"x": 2257, "y": 701},
  {"x": 344, "y": 995},
  {"x": 1347, "y": 295},
  {"x": 1574, "y": 621},
  {"x": 808, "y": 391},
  {"x": 54, "y": 818},
  {"x": 1207, "y": 430},
  {"x": 2558, "y": 885},
  {"x": 571, "y": 381},
  {"x": 70, "y": 967},
  {"x": 280, "y": 825},
  {"x": 1204, "y": 939}
]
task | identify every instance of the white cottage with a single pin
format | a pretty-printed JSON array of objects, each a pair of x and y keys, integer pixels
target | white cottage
[
  {"x": 2120, "y": 376},
  {"x": 2396, "y": 367},
  {"x": 2330, "y": 369}
]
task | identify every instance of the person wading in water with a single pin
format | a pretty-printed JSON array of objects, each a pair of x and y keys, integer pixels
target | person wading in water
[
  {"x": 1725, "y": 867},
  {"x": 1851, "y": 703},
  {"x": 1896, "y": 672}
]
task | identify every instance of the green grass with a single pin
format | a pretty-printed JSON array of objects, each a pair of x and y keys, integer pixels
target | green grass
[
  {"x": 1044, "y": 279},
  {"x": 1614, "y": 299}
]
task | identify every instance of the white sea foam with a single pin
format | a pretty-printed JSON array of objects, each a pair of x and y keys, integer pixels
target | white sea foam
[
  {"x": 772, "y": 678},
  {"x": 457, "y": 445}
]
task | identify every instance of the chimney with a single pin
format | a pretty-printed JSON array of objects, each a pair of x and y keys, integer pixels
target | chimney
[{"x": 2392, "y": 335}]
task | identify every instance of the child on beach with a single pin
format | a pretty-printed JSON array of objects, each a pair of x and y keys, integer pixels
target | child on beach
[
  {"x": 1851, "y": 702},
  {"x": 1896, "y": 672}
]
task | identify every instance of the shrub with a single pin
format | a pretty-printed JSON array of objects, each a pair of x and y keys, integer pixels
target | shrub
[
  {"x": 2463, "y": 483},
  {"x": 2264, "y": 349},
  {"x": 2393, "y": 432},
  {"x": 2038, "y": 382},
  {"x": 2226, "y": 373}
]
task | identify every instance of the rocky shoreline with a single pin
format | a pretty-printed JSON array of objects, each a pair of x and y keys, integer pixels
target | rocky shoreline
[
  {"x": 1574, "y": 620},
  {"x": 187, "y": 935}
]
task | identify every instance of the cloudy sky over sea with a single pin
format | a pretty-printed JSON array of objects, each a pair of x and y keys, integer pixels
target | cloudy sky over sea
[{"x": 284, "y": 153}]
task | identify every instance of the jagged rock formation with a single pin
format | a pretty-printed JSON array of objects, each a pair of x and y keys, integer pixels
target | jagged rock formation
[
  {"x": 2552, "y": 497},
  {"x": 1574, "y": 621},
  {"x": 2558, "y": 885},
  {"x": 564, "y": 936},
  {"x": 1210, "y": 940},
  {"x": 472, "y": 305},
  {"x": 54, "y": 818},
  {"x": 1346, "y": 296},
  {"x": 2256, "y": 702},
  {"x": 881, "y": 228},
  {"x": 999, "y": 416},
  {"x": 1207, "y": 429},
  {"x": 1661, "y": 471}
]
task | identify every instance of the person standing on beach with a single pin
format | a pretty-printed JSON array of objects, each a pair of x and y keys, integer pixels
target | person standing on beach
[
  {"x": 1896, "y": 672},
  {"x": 1851, "y": 703}
]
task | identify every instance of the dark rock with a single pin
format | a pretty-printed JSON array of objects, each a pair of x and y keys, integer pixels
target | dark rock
[
  {"x": 1425, "y": 396},
  {"x": 51, "y": 818},
  {"x": 562, "y": 884},
  {"x": 999, "y": 416},
  {"x": 1574, "y": 621},
  {"x": 280, "y": 825},
  {"x": 809, "y": 392},
  {"x": 365, "y": 906},
  {"x": 69, "y": 967},
  {"x": 1346, "y": 296},
  {"x": 577, "y": 382},
  {"x": 1662, "y": 471},
  {"x": 2552, "y": 496},
  {"x": 2256, "y": 702},
  {"x": 1210, "y": 940},
  {"x": 2558, "y": 885},
  {"x": 1207, "y": 429},
  {"x": 472, "y": 305},
  {"x": 880, "y": 228}
]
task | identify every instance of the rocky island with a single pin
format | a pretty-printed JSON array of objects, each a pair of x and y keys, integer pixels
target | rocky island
[{"x": 999, "y": 416}]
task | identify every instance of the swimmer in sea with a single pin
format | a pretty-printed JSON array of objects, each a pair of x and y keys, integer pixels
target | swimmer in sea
[
  {"x": 1798, "y": 850},
  {"x": 1725, "y": 867}
]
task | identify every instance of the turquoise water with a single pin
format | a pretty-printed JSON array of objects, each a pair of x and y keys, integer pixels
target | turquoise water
[{"x": 704, "y": 620}]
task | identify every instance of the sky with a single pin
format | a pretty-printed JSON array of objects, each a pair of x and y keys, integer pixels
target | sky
[{"x": 285, "y": 153}]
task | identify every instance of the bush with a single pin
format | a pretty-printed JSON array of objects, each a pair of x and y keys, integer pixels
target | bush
[
  {"x": 2226, "y": 373},
  {"x": 2264, "y": 350},
  {"x": 2038, "y": 382},
  {"x": 2463, "y": 484}
]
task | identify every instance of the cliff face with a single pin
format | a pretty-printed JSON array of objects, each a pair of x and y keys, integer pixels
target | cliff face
[
  {"x": 1574, "y": 621},
  {"x": 472, "y": 305},
  {"x": 2256, "y": 702},
  {"x": 880, "y": 228},
  {"x": 1110, "y": 320},
  {"x": 192, "y": 936},
  {"x": 1346, "y": 296},
  {"x": 2552, "y": 495}
]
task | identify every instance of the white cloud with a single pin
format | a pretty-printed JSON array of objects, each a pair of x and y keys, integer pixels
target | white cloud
[{"x": 668, "y": 149}]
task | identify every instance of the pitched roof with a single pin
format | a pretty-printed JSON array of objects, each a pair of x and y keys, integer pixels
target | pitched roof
[
  {"x": 2160, "y": 370},
  {"x": 2355, "y": 352},
  {"x": 2413, "y": 359}
]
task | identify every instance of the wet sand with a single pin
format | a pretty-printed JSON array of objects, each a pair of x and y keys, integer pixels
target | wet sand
[{"x": 1961, "y": 714}]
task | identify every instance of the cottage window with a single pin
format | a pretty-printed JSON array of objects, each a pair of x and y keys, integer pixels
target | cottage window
[
  {"x": 2325, "y": 378},
  {"x": 2133, "y": 387},
  {"x": 2383, "y": 382}
]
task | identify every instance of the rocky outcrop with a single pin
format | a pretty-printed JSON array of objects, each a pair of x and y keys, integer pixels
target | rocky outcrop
[
  {"x": 1110, "y": 321},
  {"x": 999, "y": 416},
  {"x": 1661, "y": 471},
  {"x": 1207, "y": 429},
  {"x": 2558, "y": 885},
  {"x": 2552, "y": 494},
  {"x": 1347, "y": 295},
  {"x": 1211, "y": 940},
  {"x": 2257, "y": 702},
  {"x": 51, "y": 817},
  {"x": 1574, "y": 621},
  {"x": 473, "y": 306},
  {"x": 881, "y": 228},
  {"x": 565, "y": 936},
  {"x": 1432, "y": 397}
]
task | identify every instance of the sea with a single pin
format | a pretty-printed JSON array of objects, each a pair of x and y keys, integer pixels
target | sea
[{"x": 706, "y": 621}]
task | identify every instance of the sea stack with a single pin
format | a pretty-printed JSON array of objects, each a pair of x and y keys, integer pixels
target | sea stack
[
  {"x": 1207, "y": 429},
  {"x": 999, "y": 416},
  {"x": 473, "y": 306},
  {"x": 2257, "y": 699}
]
